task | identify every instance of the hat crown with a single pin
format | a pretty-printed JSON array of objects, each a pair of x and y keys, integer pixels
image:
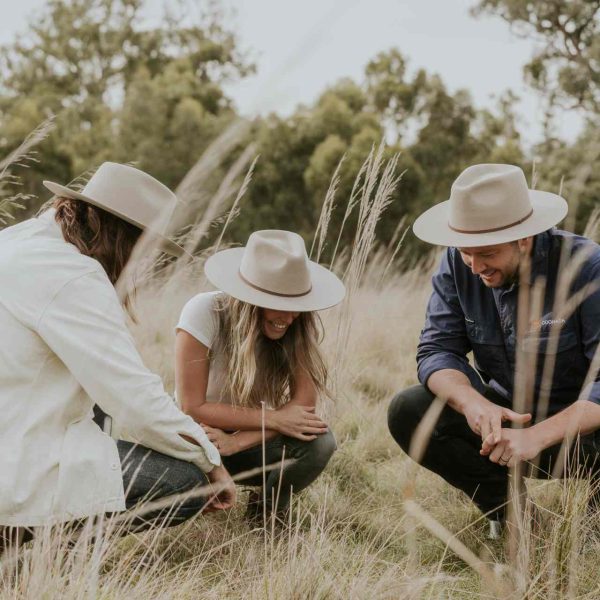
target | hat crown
[
  {"x": 137, "y": 196},
  {"x": 276, "y": 261},
  {"x": 488, "y": 197}
]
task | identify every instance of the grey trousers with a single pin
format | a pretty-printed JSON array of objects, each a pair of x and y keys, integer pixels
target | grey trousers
[
  {"x": 149, "y": 475},
  {"x": 308, "y": 461}
]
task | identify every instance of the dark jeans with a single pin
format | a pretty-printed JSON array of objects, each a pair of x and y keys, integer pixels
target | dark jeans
[
  {"x": 149, "y": 475},
  {"x": 453, "y": 450},
  {"x": 309, "y": 460}
]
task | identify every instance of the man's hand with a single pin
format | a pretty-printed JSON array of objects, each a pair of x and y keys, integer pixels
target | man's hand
[
  {"x": 296, "y": 421},
  {"x": 514, "y": 446},
  {"x": 224, "y": 494},
  {"x": 485, "y": 418}
]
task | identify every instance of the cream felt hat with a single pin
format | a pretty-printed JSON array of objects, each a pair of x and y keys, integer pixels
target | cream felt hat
[
  {"x": 273, "y": 271},
  {"x": 132, "y": 195},
  {"x": 490, "y": 204}
]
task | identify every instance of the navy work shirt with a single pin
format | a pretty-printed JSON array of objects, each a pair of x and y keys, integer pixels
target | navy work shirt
[{"x": 463, "y": 315}]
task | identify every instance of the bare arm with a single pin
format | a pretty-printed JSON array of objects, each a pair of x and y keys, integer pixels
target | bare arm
[
  {"x": 192, "y": 366},
  {"x": 582, "y": 417}
]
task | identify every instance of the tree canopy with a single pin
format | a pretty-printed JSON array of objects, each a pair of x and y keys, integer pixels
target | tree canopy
[{"x": 154, "y": 96}]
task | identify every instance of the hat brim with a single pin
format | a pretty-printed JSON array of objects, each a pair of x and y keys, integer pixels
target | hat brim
[
  {"x": 223, "y": 271},
  {"x": 165, "y": 244},
  {"x": 548, "y": 210}
]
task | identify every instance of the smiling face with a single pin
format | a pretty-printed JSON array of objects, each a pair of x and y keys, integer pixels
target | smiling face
[
  {"x": 275, "y": 323},
  {"x": 496, "y": 265}
]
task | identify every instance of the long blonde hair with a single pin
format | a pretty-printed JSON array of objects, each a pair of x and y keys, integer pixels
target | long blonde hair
[{"x": 260, "y": 369}]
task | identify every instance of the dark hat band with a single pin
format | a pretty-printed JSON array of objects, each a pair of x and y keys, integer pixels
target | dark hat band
[
  {"x": 273, "y": 293},
  {"x": 493, "y": 228}
]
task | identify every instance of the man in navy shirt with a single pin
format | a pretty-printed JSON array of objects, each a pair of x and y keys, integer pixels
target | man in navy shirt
[{"x": 493, "y": 225}]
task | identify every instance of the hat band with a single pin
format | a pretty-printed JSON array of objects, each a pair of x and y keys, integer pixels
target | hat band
[
  {"x": 493, "y": 228},
  {"x": 273, "y": 293}
]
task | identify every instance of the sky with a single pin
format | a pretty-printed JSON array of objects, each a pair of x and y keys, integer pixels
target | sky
[{"x": 300, "y": 48}]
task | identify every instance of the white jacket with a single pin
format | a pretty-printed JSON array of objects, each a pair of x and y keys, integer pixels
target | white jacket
[{"x": 64, "y": 345}]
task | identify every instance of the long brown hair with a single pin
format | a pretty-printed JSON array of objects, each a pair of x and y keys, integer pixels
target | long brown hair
[
  {"x": 97, "y": 233},
  {"x": 260, "y": 369}
]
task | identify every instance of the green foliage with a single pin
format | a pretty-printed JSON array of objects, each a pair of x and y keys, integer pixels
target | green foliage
[
  {"x": 154, "y": 97},
  {"x": 566, "y": 65},
  {"x": 437, "y": 134},
  {"x": 119, "y": 92}
]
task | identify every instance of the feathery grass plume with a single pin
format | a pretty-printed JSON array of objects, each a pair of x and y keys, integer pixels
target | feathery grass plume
[
  {"x": 395, "y": 243},
  {"x": 224, "y": 192},
  {"x": 19, "y": 157},
  {"x": 380, "y": 182},
  {"x": 234, "y": 211},
  {"x": 143, "y": 266},
  {"x": 192, "y": 191},
  {"x": 325, "y": 214},
  {"x": 355, "y": 194},
  {"x": 592, "y": 228}
]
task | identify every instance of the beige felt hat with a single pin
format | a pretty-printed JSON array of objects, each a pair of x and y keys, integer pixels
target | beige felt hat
[
  {"x": 490, "y": 204},
  {"x": 273, "y": 271},
  {"x": 132, "y": 195}
]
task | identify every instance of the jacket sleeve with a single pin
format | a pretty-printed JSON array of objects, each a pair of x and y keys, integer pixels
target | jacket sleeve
[
  {"x": 589, "y": 313},
  {"x": 84, "y": 325},
  {"x": 444, "y": 343}
]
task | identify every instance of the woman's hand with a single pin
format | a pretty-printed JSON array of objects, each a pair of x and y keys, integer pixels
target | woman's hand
[
  {"x": 224, "y": 494},
  {"x": 297, "y": 421},
  {"x": 225, "y": 443}
]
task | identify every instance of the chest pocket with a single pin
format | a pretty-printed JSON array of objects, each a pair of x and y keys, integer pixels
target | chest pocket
[
  {"x": 542, "y": 342},
  {"x": 488, "y": 351}
]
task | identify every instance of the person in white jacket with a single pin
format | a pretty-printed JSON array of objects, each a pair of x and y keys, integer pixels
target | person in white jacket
[{"x": 65, "y": 347}]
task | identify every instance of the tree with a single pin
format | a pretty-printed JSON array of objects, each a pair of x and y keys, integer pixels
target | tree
[
  {"x": 111, "y": 83},
  {"x": 437, "y": 134},
  {"x": 567, "y": 65}
]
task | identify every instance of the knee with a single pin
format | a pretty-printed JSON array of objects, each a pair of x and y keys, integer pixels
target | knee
[
  {"x": 405, "y": 412},
  {"x": 184, "y": 476},
  {"x": 318, "y": 451}
]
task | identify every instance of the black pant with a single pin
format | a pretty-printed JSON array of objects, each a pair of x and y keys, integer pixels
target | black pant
[
  {"x": 308, "y": 459},
  {"x": 453, "y": 450}
]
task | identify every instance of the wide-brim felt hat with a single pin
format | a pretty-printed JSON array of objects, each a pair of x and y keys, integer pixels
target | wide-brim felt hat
[
  {"x": 273, "y": 271},
  {"x": 132, "y": 195},
  {"x": 490, "y": 204}
]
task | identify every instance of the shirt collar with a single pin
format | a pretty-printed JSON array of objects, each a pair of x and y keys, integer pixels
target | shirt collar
[
  {"x": 539, "y": 254},
  {"x": 50, "y": 224}
]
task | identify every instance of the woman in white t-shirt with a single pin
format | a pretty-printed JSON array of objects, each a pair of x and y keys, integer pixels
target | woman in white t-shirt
[{"x": 255, "y": 344}]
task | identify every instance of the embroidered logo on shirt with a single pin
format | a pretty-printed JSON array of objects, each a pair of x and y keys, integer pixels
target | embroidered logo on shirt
[{"x": 539, "y": 324}]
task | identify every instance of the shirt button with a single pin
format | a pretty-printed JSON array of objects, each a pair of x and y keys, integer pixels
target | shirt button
[{"x": 114, "y": 466}]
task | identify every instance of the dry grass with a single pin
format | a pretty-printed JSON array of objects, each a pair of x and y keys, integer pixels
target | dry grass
[{"x": 374, "y": 525}]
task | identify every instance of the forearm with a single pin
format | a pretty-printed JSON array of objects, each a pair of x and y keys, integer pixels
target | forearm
[
  {"x": 228, "y": 417},
  {"x": 454, "y": 387},
  {"x": 582, "y": 417},
  {"x": 249, "y": 439}
]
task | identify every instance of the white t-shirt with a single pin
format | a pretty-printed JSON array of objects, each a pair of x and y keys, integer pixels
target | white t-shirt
[{"x": 200, "y": 319}]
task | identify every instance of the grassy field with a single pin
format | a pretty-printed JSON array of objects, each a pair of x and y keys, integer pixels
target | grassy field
[
  {"x": 375, "y": 525},
  {"x": 359, "y": 531}
]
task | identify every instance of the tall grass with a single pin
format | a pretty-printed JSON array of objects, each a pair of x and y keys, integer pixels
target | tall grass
[{"x": 374, "y": 525}]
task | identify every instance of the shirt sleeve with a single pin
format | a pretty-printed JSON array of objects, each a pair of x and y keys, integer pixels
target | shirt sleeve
[
  {"x": 198, "y": 317},
  {"x": 589, "y": 312},
  {"x": 444, "y": 343},
  {"x": 85, "y": 327}
]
